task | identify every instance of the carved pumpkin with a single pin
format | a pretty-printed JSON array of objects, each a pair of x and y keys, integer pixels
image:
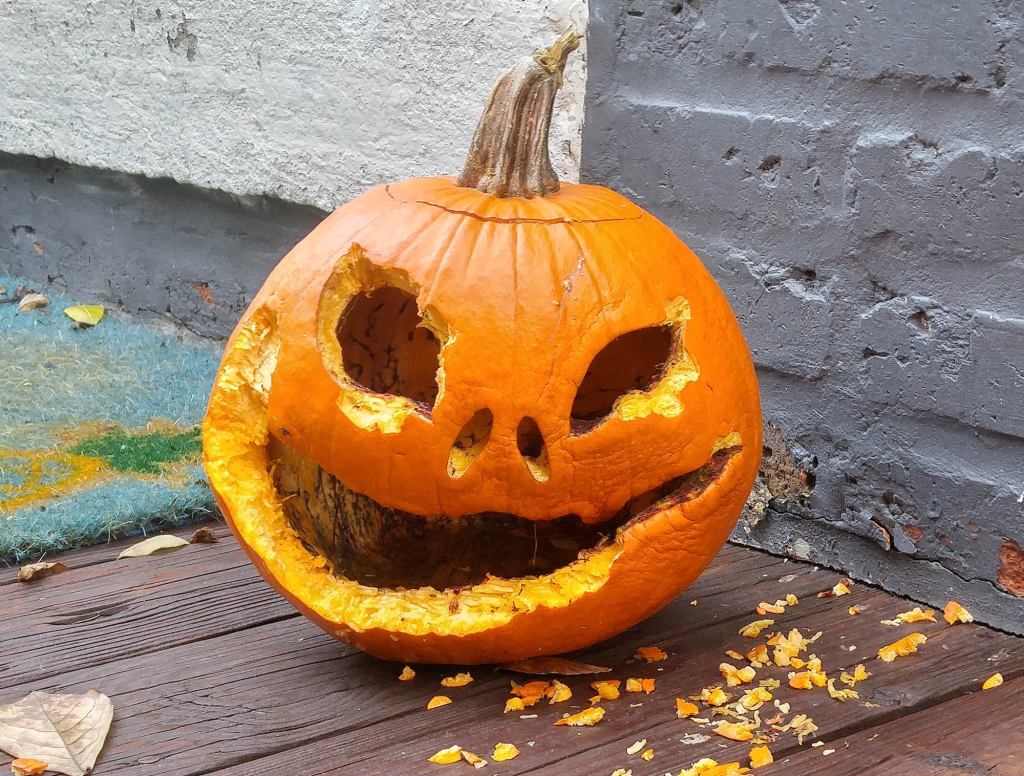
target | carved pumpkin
[{"x": 477, "y": 419}]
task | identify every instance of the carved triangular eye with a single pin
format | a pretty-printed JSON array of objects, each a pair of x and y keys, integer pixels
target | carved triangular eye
[
  {"x": 384, "y": 347},
  {"x": 634, "y": 361}
]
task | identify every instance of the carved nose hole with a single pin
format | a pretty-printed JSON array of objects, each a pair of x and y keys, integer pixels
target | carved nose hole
[
  {"x": 470, "y": 443},
  {"x": 532, "y": 448}
]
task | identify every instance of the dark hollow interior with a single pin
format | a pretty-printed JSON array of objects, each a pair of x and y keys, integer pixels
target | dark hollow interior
[
  {"x": 389, "y": 548},
  {"x": 385, "y": 349},
  {"x": 634, "y": 361}
]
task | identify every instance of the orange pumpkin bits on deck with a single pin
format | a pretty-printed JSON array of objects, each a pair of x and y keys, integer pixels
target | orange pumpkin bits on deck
[
  {"x": 753, "y": 630},
  {"x": 954, "y": 613},
  {"x": 914, "y": 615},
  {"x": 434, "y": 484},
  {"x": 859, "y": 675},
  {"x": 606, "y": 689},
  {"x": 584, "y": 718},
  {"x": 27, "y": 766},
  {"x": 993, "y": 681},
  {"x": 754, "y": 698},
  {"x": 530, "y": 693},
  {"x": 735, "y": 731},
  {"x": 685, "y": 709},
  {"x": 503, "y": 752},
  {"x": 761, "y": 756},
  {"x": 708, "y": 767},
  {"x": 758, "y": 656},
  {"x": 787, "y": 647},
  {"x": 514, "y": 704},
  {"x": 459, "y": 680},
  {"x": 906, "y": 646},
  {"x": 437, "y": 701},
  {"x": 473, "y": 759},
  {"x": 779, "y": 607},
  {"x": 636, "y": 746},
  {"x": 647, "y": 755},
  {"x": 853, "y": 611},
  {"x": 736, "y": 676},
  {"x": 651, "y": 654},
  {"x": 640, "y": 685},
  {"x": 841, "y": 695},
  {"x": 407, "y": 675},
  {"x": 841, "y": 588},
  {"x": 714, "y": 696},
  {"x": 447, "y": 756},
  {"x": 558, "y": 692}
]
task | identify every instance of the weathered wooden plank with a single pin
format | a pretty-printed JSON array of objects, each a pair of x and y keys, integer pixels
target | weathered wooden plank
[
  {"x": 975, "y": 735},
  {"x": 108, "y": 611},
  {"x": 955, "y": 658},
  {"x": 103, "y": 553},
  {"x": 212, "y": 703}
]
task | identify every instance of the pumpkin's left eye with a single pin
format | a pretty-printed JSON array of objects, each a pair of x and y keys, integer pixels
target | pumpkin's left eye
[
  {"x": 634, "y": 361},
  {"x": 385, "y": 347}
]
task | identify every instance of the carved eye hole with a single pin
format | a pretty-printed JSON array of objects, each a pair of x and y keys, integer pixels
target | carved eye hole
[
  {"x": 634, "y": 361},
  {"x": 386, "y": 349}
]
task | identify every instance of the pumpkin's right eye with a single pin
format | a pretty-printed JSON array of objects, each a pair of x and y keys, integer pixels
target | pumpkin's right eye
[
  {"x": 385, "y": 348},
  {"x": 634, "y": 361}
]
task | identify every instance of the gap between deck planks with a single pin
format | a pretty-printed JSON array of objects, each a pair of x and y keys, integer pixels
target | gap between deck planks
[{"x": 211, "y": 672}]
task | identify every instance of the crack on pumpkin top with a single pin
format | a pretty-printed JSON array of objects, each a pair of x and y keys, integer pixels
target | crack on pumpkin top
[{"x": 514, "y": 220}]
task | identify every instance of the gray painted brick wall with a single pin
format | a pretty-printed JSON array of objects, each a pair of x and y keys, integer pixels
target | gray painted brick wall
[
  {"x": 145, "y": 246},
  {"x": 853, "y": 175}
]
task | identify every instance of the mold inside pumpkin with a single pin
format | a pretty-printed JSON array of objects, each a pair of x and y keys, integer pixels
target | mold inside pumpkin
[{"x": 477, "y": 419}]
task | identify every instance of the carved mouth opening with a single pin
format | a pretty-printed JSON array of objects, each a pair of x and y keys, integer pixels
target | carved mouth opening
[{"x": 378, "y": 546}]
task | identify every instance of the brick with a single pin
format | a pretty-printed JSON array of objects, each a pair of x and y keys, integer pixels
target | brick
[
  {"x": 919, "y": 42},
  {"x": 785, "y": 313},
  {"x": 751, "y": 180},
  {"x": 947, "y": 201},
  {"x": 994, "y": 383}
]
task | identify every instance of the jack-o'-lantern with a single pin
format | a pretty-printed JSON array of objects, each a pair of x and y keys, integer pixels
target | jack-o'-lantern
[{"x": 478, "y": 419}]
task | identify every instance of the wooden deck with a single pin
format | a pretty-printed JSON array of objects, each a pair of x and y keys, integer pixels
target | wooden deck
[{"x": 211, "y": 672}]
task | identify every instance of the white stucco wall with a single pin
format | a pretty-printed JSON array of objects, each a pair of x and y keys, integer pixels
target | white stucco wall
[{"x": 309, "y": 100}]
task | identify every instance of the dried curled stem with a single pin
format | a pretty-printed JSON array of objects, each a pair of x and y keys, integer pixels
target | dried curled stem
[{"x": 509, "y": 153}]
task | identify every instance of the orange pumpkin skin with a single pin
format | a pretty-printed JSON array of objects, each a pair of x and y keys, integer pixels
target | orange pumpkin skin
[
  {"x": 533, "y": 290},
  {"x": 367, "y": 490}
]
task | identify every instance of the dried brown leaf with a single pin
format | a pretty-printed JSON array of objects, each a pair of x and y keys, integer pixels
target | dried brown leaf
[
  {"x": 204, "y": 535},
  {"x": 553, "y": 665},
  {"x": 39, "y": 570},
  {"x": 66, "y": 731},
  {"x": 31, "y": 301},
  {"x": 154, "y": 545}
]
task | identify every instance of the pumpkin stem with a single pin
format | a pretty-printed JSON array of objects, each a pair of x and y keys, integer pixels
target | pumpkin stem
[{"x": 509, "y": 153}]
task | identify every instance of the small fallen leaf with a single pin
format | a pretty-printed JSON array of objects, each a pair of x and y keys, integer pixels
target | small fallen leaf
[
  {"x": 447, "y": 756},
  {"x": 26, "y": 766},
  {"x": 67, "y": 730},
  {"x": 553, "y": 665},
  {"x": 39, "y": 570},
  {"x": 204, "y": 535},
  {"x": 504, "y": 752},
  {"x": 154, "y": 545},
  {"x": 85, "y": 314},
  {"x": 32, "y": 301},
  {"x": 993, "y": 681}
]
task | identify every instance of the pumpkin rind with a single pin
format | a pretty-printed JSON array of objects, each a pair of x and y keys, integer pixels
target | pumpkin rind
[{"x": 522, "y": 294}]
